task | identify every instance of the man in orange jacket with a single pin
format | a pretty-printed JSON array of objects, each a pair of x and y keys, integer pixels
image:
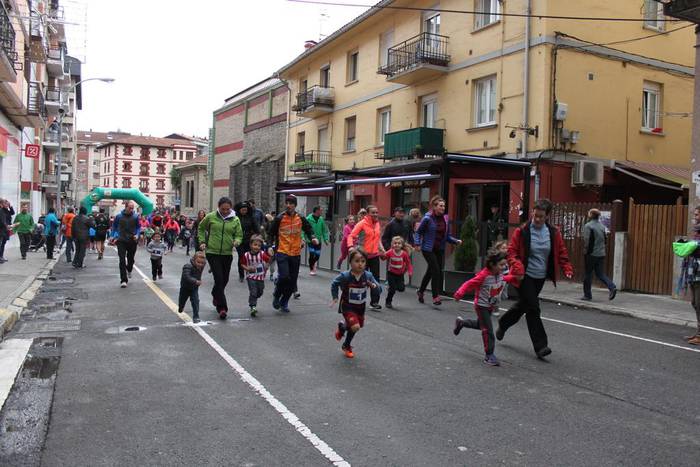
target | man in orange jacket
[
  {"x": 367, "y": 236},
  {"x": 67, "y": 229}
]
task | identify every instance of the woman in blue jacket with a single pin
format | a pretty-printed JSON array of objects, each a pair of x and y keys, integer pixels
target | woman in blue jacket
[
  {"x": 432, "y": 235},
  {"x": 50, "y": 230}
]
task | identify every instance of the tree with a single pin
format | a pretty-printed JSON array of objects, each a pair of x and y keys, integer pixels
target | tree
[{"x": 467, "y": 252}]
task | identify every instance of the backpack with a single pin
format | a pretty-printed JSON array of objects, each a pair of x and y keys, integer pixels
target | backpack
[{"x": 101, "y": 224}]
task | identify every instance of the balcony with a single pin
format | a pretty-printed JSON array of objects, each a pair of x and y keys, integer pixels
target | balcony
[
  {"x": 55, "y": 60},
  {"x": 314, "y": 102},
  {"x": 38, "y": 45},
  {"x": 420, "y": 58},
  {"x": 312, "y": 163},
  {"x": 418, "y": 142},
  {"x": 53, "y": 101},
  {"x": 48, "y": 180},
  {"x": 36, "y": 110},
  {"x": 8, "y": 54}
]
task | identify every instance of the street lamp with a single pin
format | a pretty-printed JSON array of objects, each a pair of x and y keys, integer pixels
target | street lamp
[{"x": 61, "y": 114}]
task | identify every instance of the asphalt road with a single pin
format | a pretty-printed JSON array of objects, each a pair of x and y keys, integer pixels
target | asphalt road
[{"x": 414, "y": 394}]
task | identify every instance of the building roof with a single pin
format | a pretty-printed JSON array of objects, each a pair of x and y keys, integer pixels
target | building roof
[
  {"x": 100, "y": 137},
  {"x": 197, "y": 161},
  {"x": 193, "y": 139},
  {"x": 267, "y": 83},
  {"x": 370, "y": 12},
  {"x": 151, "y": 141},
  {"x": 679, "y": 175}
]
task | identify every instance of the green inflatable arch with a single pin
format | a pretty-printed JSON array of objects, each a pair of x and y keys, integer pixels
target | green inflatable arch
[{"x": 133, "y": 194}]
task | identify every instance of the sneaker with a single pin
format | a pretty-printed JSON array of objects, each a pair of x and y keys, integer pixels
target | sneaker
[
  {"x": 276, "y": 303},
  {"x": 196, "y": 320},
  {"x": 340, "y": 331},
  {"x": 312, "y": 273},
  {"x": 586, "y": 299},
  {"x": 375, "y": 306},
  {"x": 222, "y": 314},
  {"x": 285, "y": 309},
  {"x": 123, "y": 286},
  {"x": 459, "y": 323},
  {"x": 492, "y": 360},
  {"x": 437, "y": 301},
  {"x": 694, "y": 341},
  {"x": 154, "y": 278},
  {"x": 24, "y": 257},
  {"x": 253, "y": 312},
  {"x": 543, "y": 352},
  {"x": 160, "y": 276},
  {"x": 389, "y": 305},
  {"x": 421, "y": 297},
  {"x": 128, "y": 274},
  {"x": 297, "y": 295},
  {"x": 180, "y": 310},
  {"x": 99, "y": 256},
  {"x": 500, "y": 333},
  {"x": 348, "y": 351},
  {"x": 612, "y": 294}
]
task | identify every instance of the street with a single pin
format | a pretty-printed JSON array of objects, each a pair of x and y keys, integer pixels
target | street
[{"x": 277, "y": 390}]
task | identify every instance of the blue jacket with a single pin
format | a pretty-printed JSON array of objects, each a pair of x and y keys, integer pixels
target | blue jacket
[
  {"x": 425, "y": 233},
  {"x": 124, "y": 227},
  {"x": 51, "y": 224}
]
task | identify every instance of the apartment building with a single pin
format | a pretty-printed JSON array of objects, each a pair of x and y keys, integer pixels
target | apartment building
[
  {"x": 143, "y": 162},
  {"x": 88, "y": 159},
  {"x": 249, "y": 144},
  {"x": 439, "y": 101},
  {"x": 193, "y": 186},
  {"x": 201, "y": 143}
]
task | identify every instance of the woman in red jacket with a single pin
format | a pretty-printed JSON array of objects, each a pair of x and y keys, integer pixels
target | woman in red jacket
[{"x": 535, "y": 254}]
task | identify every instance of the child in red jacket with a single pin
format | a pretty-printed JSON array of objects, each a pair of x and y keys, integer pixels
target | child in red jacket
[
  {"x": 488, "y": 285},
  {"x": 398, "y": 263}
]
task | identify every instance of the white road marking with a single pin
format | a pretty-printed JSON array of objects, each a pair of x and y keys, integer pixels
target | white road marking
[
  {"x": 615, "y": 333},
  {"x": 320, "y": 445}
]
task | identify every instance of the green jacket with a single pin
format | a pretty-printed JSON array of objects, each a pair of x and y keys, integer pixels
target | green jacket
[
  {"x": 26, "y": 223},
  {"x": 220, "y": 234},
  {"x": 319, "y": 227}
]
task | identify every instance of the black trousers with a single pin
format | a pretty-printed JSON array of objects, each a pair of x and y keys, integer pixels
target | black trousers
[
  {"x": 156, "y": 267},
  {"x": 287, "y": 275},
  {"x": 436, "y": 263},
  {"x": 396, "y": 284},
  {"x": 220, "y": 266},
  {"x": 374, "y": 267},
  {"x": 80, "y": 249},
  {"x": 485, "y": 325},
  {"x": 528, "y": 304},
  {"x": 25, "y": 239},
  {"x": 191, "y": 294},
  {"x": 126, "y": 250},
  {"x": 50, "y": 245}
]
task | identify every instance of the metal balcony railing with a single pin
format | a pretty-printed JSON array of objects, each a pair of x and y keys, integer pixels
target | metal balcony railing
[
  {"x": 56, "y": 52},
  {"x": 36, "y": 26},
  {"x": 423, "y": 49},
  {"x": 53, "y": 94},
  {"x": 7, "y": 36},
  {"x": 35, "y": 101},
  {"x": 311, "y": 162},
  {"x": 315, "y": 95}
]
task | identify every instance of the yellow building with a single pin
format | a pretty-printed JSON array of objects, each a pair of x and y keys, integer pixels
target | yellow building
[{"x": 602, "y": 106}]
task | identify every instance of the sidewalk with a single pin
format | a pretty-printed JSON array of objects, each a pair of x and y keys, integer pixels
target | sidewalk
[
  {"x": 18, "y": 278},
  {"x": 659, "y": 308}
]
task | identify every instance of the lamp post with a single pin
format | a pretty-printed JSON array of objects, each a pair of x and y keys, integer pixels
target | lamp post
[{"x": 61, "y": 113}]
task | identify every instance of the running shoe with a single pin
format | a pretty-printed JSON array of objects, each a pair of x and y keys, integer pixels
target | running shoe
[
  {"x": 222, "y": 314},
  {"x": 196, "y": 320},
  {"x": 123, "y": 285},
  {"x": 340, "y": 331},
  {"x": 421, "y": 297},
  {"x": 253, "y": 312},
  {"x": 312, "y": 273},
  {"x": 500, "y": 333},
  {"x": 492, "y": 360},
  {"x": 285, "y": 309},
  {"x": 437, "y": 301},
  {"x": 276, "y": 302},
  {"x": 543, "y": 352},
  {"x": 389, "y": 305},
  {"x": 459, "y": 323},
  {"x": 160, "y": 276},
  {"x": 297, "y": 295},
  {"x": 375, "y": 306},
  {"x": 347, "y": 350}
]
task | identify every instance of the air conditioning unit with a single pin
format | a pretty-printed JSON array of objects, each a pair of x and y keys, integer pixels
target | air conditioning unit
[{"x": 587, "y": 173}]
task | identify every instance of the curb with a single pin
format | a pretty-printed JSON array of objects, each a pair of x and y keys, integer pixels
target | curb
[
  {"x": 10, "y": 315},
  {"x": 611, "y": 310}
]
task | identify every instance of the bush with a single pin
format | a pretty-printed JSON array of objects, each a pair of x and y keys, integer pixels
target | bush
[{"x": 467, "y": 253}]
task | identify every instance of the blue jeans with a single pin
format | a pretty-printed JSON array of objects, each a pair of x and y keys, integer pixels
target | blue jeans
[
  {"x": 287, "y": 274},
  {"x": 595, "y": 264},
  {"x": 193, "y": 296}
]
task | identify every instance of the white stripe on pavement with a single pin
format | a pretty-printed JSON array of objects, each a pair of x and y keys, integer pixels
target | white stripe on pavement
[
  {"x": 615, "y": 333},
  {"x": 320, "y": 445}
]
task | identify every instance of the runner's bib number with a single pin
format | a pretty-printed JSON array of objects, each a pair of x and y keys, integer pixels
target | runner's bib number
[{"x": 357, "y": 296}]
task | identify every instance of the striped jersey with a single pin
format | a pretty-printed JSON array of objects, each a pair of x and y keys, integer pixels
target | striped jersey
[
  {"x": 353, "y": 290},
  {"x": 259, "y": 261},
  {"x": 398, "y": 263}
]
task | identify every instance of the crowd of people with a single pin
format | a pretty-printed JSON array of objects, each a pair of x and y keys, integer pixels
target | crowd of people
[{"x": 272, "y": 244}]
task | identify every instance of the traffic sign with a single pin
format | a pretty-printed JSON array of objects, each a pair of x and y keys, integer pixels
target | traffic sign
[{"x": 32, "y": 151}]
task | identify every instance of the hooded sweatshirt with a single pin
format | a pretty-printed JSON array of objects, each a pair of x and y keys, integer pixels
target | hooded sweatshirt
[{"x": 220, "y": 233}]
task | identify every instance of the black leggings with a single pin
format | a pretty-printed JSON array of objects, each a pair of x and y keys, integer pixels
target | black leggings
[
  {"x": 221, "y": 269},
  {"x": 436, "y": 263}
]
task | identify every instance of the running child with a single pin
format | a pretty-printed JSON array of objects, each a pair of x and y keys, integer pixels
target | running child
[
  {"x": 156, "y": 248},
  {"x": 353, "y": 284},
  {"x": 398, "y": 263},
  {"x": 488, "y": 285},
  {"x": 189, "y": 284},
  {"x": 255, "y": 263}
]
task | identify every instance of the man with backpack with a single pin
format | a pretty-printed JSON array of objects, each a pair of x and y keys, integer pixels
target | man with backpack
[{"x": 101, "y": 228}]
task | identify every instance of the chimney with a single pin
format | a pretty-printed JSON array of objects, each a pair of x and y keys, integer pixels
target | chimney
[{"x": 310, "y": 44}]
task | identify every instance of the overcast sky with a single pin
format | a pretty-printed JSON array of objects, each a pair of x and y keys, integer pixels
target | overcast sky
[{"x": 175, "y": 61}]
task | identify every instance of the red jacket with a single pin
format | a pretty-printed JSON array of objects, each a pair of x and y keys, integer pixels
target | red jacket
[{"x": 519, "y": 250}]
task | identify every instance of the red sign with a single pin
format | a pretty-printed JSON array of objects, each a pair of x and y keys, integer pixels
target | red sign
[{"x": 32, "y": 151}]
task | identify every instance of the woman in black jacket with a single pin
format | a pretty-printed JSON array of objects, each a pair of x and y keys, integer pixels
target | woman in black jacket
[{"x": 250, "y": 227}]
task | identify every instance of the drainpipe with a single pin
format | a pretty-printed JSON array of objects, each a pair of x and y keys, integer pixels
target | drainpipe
[
  {"x": 526, "y": 80},
  {"x": 212, "y": 150}
]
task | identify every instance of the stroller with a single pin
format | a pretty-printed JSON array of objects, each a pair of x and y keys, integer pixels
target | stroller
[{"x": 38, "y": 239}]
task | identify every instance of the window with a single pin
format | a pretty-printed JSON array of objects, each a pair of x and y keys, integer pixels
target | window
[
  {"x": 488, "y": 13},
  {"x": 189, "y": 155},
  {"x": 143, "y": 184},
  {"x": 160, "y": 200},
  {"x": 128, "y": 150},
  {"x": 301, "y": 142},
  {"x": 126, "y": 182},
  {"x": 431, "y": 23},
  {"x": 651, "y": 107},
  {"x": 325, "y": 79},
  {"x": 303, "y": 85},
  {"x": 352, "y": 66},
  {"x": 350, "y": 124},
  {"x": 654, "y": 15},
  {"x": 126, "y": 166},
  {"x": 162, "y": 153},
  {"x": 143, "y": 169},
  {"x": 383, "y": 123},
  {"x": 160, "y": 169},
  {"x": 160, "y": 184},
  {"x": 485, "y": 101},
  {"x": 145, "y": 154},
  {"x": 386, "y": 40},
  {"x": 429, "y": 108},
  {"x": 189, "y": 193}
]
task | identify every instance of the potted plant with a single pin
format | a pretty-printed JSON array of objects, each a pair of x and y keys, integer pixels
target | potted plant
[{"x": 466, "y": 257}]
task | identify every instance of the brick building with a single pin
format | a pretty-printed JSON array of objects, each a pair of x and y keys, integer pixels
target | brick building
[
  {"x": 143, "y": 162},
  {"x": 194, "y": 186},
  {"x": 249, "y": 144}
]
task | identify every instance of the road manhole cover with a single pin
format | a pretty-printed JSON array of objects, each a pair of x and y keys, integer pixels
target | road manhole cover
[{"x": 50, "y": 326}]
